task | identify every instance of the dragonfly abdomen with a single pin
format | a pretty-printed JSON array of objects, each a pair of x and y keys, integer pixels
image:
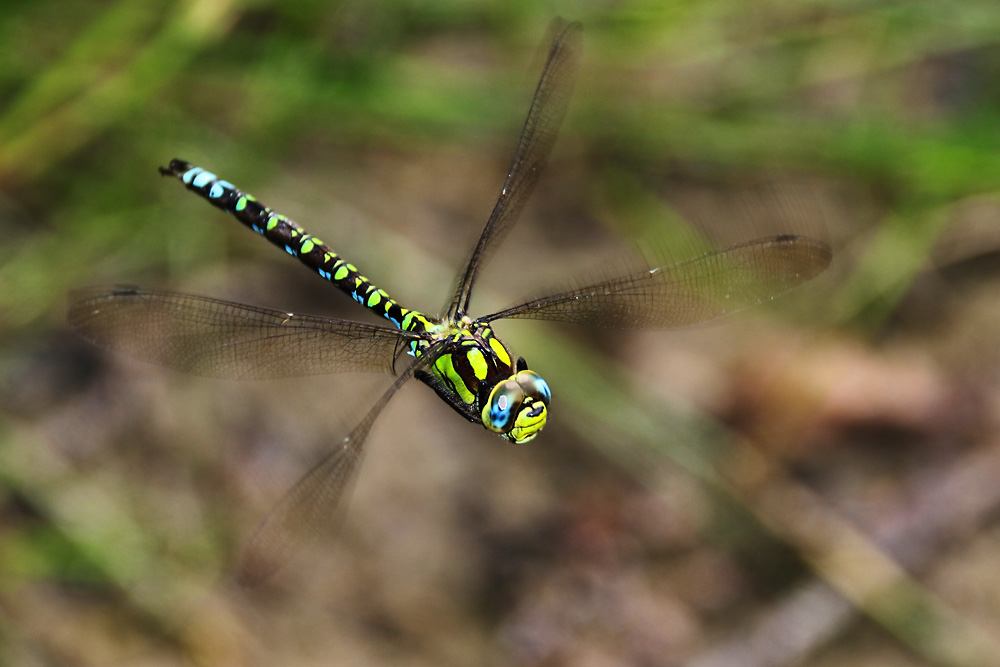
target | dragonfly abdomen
[{"x": 290, "y": 237}]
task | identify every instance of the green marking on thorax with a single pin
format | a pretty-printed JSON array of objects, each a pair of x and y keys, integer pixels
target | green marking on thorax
[
  {"x": 478, "y": 363},
  {"x": 446, "y": 367},
  {"x": 500, "y": 350}
]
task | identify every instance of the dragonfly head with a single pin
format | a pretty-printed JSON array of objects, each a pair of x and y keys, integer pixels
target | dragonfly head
[{"x": 518, "y": 407}]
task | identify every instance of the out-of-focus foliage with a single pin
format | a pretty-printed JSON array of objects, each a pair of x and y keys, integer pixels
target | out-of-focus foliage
[{"x": 810, "y": 484}]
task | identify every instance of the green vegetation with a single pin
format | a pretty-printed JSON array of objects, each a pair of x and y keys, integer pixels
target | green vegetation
[{"x": 692, "y": 481}]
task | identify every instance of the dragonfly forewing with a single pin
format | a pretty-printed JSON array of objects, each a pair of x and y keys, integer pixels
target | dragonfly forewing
[
  {"x": 548, "y": 107},
  {"x": 216, "y": 338},
  {"x": 697, "y": 290}
]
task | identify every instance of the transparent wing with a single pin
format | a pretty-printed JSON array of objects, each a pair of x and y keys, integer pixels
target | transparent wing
[
  {"x": 218, "y": 338},
  {"x": 309, "y": 506},
  {"x": 696, "y": 290},
  {"x": 533, "y": 147}
]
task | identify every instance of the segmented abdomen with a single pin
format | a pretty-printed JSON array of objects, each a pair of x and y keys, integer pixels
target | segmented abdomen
[{"x": 286, "y": 234}]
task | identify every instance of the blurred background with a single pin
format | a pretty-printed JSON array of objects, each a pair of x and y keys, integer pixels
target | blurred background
[{"x": 814, "y": 482}]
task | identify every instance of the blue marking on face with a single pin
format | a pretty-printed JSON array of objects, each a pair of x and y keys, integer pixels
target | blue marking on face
[
  {"x": 325, "y": 274},
  {"x": 203, "y": 179},
  {"x": 191, "y": 173},
  {"x": 500, "y": 412},
  {"x": 290, "y": 251},
  {"x": 257, "y": 229},
  {"x": 543, "y": 388}
]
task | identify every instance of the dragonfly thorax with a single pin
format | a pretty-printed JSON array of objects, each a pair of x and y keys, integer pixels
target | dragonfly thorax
[{"x": 474, "y": 372}]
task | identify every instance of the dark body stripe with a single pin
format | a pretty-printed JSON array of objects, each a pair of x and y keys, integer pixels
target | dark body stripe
[{"x": 290, "y": 237}]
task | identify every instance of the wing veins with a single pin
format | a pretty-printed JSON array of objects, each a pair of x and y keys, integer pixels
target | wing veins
[
  {"x": 689, "y": 292},
  {"x": 311, "y": 502},
  {"x": 219, "y": 338},
  {"x": 548, "y": 106}
]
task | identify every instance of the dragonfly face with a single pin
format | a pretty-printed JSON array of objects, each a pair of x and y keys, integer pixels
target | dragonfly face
[{"x": 518, "y": 407}]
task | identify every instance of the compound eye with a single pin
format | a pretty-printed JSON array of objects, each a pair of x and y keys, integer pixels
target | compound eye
[
  {"x": 534, "y": 386},
  {"x": 502, "y": 407}
]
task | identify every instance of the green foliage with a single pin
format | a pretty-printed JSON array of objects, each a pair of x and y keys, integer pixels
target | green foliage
[{"x": 336, "y": 112}]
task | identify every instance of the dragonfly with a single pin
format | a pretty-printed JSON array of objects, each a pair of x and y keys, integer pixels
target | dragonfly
[{"x": 457, "y": 355}]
